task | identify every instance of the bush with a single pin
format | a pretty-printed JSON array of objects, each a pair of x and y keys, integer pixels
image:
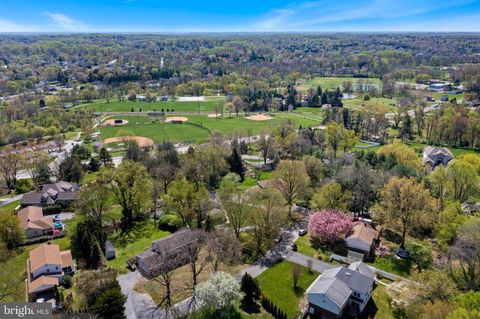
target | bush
[
  {"x": 170, "y": 222},
  {"x": 67, "y": 281},
  {"x": 23, "y": 186}
]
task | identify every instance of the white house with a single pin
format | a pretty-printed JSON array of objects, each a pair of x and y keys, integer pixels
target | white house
[{"x": 340, "y": 291}]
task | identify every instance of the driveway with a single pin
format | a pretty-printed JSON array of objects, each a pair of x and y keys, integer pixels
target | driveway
[{"x": 138, "y": 306}]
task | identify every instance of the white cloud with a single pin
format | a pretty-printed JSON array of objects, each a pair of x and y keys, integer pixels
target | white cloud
[
  {"x": 65, "y": 23},
  {"x": 12, "y": 26},
  {"x": 321, "y": 15}
]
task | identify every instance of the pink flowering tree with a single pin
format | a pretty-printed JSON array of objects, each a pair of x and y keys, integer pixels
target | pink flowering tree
[{"x": 329, "y": 226}]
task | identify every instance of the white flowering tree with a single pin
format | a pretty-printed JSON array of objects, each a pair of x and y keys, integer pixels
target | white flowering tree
[{"x": 220, "y": 291}]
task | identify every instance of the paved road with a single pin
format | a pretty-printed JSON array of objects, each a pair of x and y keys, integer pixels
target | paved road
[
  {"x": 302, "y": 259},
  {"x": 66, "y": 149},
  {"x": 6, "y": 201}
]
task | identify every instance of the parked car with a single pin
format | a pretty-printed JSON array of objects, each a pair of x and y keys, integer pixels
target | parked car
[
  {"x": 302, "y": 232},
  {"x": 56, "y": 218}
]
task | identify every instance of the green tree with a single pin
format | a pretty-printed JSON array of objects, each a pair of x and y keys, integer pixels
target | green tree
[
  {"x": 292, "y": 180},
  {"x": 331, "y": 196},
  {"x": 250, "y": 287},
  {"x": 463, "y": 180},
  {"x": 333, "y": 137},
  {"x": 105, "y": 157},
  {"x": 404, "y": 201},
  {"x": 236, "y": 163},
  {"x": 110, "y": 303},
  {"x": 71, "y": 169},
  {"x": 131, "y": 187},
  {"x": 438, "y": 181},
  {"x": 11, "y": 233}
]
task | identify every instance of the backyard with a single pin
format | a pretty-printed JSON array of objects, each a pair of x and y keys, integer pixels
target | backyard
[{"x": 277, "y": 285}]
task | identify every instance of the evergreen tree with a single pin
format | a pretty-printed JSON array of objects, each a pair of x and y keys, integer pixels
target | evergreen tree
[
  {"x": 110, "y": 303},
  {"x": 93, "y": 165},
  {"x": 43, "y": 173},
  {"x": 236, "y": 163},
  {"x": 249, "y": 286},
  {"x": 105, "y": 157},
  {"x": 324, "y": 98},
  {"x": 71, "y": 169}
]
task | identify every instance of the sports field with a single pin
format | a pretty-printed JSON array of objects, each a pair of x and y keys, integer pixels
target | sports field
[
  {"x": 143, "y": 126},
  {"x": 207, "y": 105},
  {"x": 328, "y": 83}
]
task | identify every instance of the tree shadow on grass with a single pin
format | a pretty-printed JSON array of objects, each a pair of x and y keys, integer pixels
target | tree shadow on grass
[
  {"x": 298, "y": 291},
  {"x": 249, "y": 307}
]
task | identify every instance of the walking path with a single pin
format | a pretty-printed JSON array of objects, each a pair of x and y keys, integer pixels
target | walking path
[{"x": 6, "y": 201}]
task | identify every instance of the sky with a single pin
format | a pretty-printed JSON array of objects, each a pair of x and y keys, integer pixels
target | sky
[{"x": 146, "y": 16}]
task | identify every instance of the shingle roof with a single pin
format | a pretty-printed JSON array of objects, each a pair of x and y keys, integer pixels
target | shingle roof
[
  {"x": 364, "y": 232},
  {"x": 45, "y": 254},
  {"x": 336, "y": 290},
  {"x": 362, "y": 268},
  {"x": 353, "y": 279},
  {"x": 40, "y": 281}
]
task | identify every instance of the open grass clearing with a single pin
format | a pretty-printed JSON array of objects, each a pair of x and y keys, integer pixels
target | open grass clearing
[
  {"x": 207, "y": 105},
  {"x": 276, "y": 284},
  {"x": 329, "y": 83},
  {"x": 202, "y": 124}
]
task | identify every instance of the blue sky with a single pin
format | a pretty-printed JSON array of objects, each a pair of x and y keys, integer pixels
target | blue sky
[{"x": 238, "y": 16}]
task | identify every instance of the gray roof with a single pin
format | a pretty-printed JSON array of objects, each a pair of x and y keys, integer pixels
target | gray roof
[
  {"x": 362, "y": 268},
  {"x": 336, "y": 290},
  {"x": 353, "y": 279},
  {"x": 433, "y": 151}
]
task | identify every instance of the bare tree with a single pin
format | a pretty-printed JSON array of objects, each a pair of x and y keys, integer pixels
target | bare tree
[
  {"x": 265, "y": 144},
  {"x": 194, "y": 242},
  {"x": 10, "y": 165},
  {"x": 223, "y": 248}
]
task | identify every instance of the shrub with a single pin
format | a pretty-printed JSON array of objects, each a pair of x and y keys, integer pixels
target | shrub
[
  {"x": 329, "y": 226},
  {"x": 169, "y": 222},
  {"x": 67, "y": 281},
  {"x": 23, "y": 186}
]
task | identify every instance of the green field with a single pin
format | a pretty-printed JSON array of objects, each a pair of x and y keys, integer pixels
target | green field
[
  {"x": 190, "y": 133},
  {"x": 178, "y": 106},
  {"x": 277, "y": 285},
  {"x": 360, "y": 103},
  {"x": 328, "y": 83}
]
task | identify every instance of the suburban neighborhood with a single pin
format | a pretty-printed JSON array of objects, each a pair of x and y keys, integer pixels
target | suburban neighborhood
[{"x": 201, "y": 160}]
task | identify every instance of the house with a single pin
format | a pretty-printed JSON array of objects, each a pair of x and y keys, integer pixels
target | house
[
  {"x": 61, "y": 193},
  {"x": 46, "y": 268},
  {"x": 165, "y": 254},
  {"x": 364, "y": 239},
  {"x": 110, "y": 252},
  {"x": 433, "y": 156},
  {"x": 34, "y": 223},
  {"x": 339, "y": 292}
]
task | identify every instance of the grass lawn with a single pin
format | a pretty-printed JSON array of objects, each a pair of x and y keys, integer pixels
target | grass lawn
[
  {"x": 276, "y": 284},
  {"x": 304, "y": 247},
  {"x": 330, "y": 82},
  {"x": 191, "y": 133},
  {"x": 396, "y": 266},
  {"x": 11, "y": 206},
  {"x": 379, "y": 306},
  {"x": 177, "y": 106},
  {"x": 133, "y": 243},
  {"x": 360, "y": 103}
]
